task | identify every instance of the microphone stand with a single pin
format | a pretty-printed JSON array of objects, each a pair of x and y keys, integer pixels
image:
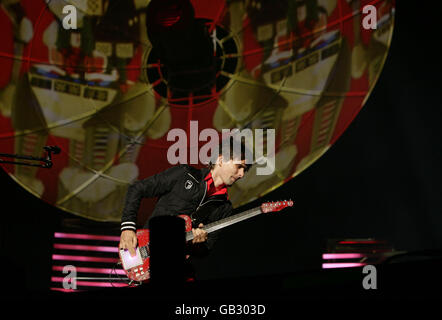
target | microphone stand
[{"x": 46, "y": 161}]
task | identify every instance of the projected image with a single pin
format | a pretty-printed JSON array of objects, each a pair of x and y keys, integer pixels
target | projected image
[{"x": 108, "y": 80}]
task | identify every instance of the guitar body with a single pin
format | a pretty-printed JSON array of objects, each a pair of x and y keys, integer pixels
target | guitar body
[{"x": 137, "y": 268}]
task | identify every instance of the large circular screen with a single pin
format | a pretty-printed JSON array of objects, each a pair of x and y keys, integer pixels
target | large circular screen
[{"x": 104, "y": 82}]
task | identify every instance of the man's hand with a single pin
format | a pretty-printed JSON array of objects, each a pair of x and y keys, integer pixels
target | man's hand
[
  {"x": 199, "y": 234},
  {"x": 128, "y": 240}
]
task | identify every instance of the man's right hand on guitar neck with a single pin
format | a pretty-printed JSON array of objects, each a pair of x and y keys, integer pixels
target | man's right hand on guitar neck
[{"x": 128, "y": 240}]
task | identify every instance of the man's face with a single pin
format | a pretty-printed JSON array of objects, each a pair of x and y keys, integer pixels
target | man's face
[{"x": 231, "y": 171}]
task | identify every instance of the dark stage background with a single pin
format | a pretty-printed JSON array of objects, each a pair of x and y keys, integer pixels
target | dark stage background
[{"x": 382, "y": 179}]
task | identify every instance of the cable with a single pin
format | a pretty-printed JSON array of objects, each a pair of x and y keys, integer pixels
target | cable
[{"x": 113, "y": 270}]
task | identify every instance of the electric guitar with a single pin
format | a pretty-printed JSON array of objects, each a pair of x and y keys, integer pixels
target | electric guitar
[{"x": 137, "y": 267}]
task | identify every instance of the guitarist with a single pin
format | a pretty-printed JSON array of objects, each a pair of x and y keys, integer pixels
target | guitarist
[{"x": 199, "y": 193}]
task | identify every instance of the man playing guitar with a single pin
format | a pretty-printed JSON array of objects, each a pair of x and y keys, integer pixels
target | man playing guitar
[{"x": 185, "y": 190}]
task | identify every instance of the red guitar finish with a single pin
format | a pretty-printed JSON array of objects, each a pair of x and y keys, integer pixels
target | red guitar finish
[{"x": 137, "y": 268}]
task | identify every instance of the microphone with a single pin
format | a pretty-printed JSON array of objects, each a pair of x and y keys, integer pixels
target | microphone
[
  {"x": 47, "y": 160},
  {"x": 50, "y": 150},
  {"x": 53, "y": 149}
]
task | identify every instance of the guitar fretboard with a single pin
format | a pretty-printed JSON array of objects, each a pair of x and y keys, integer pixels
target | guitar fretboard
[{"x": 227, "y": 221}]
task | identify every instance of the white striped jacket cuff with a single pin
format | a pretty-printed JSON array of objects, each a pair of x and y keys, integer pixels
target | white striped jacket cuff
[{"x": 128, "y": 225}]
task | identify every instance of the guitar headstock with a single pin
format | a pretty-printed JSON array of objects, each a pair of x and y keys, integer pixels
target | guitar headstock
[{"x": 276, "y": 206}]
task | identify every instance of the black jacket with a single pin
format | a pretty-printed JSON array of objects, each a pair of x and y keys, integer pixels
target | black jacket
[{"x": 180, "y": 190}]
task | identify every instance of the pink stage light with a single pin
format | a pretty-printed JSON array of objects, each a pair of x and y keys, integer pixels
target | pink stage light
[
  {"x": 361, "y": 242},
  {"x": 65, "y": 290},
  {"x": 85, "y": 236},
  {"x": 83, "y": 258},
  {"x": 92, "y": 270},
  {"x": 85, "y": 248},
  {"x": 342, "y": 265},
  {"x": 327, "y": 256},
  {"x": 92, "y": 283}
]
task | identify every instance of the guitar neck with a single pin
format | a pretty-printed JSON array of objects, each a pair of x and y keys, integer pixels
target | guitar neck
[{"x": 217, "y": 225}]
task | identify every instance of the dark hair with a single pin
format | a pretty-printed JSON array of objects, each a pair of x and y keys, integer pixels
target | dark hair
[{"x": 244, "y": 153}]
